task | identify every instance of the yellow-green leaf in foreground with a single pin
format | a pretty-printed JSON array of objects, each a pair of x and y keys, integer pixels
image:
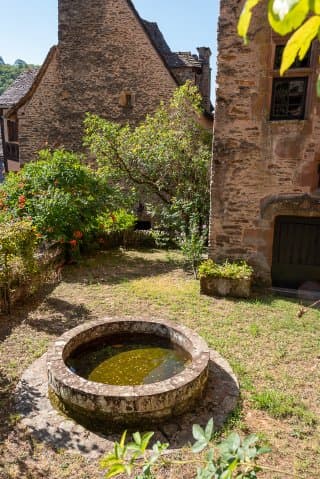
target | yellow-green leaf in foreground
[
  {"x": 315, "y": 6},
  {"x": 299, "y": 43},
  {"x": 245, "y": 18},
  {"x": 287, "y": 15}
]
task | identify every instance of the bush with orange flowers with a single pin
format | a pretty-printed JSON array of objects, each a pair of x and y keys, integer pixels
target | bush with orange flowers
[{"x": 62, "y": 196}]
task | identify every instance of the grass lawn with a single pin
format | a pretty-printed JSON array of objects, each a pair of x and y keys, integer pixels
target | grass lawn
[{"x": 275, "y": 354}]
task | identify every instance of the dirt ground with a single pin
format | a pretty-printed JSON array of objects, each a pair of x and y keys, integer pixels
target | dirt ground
[{"x": 275, "y": 354}]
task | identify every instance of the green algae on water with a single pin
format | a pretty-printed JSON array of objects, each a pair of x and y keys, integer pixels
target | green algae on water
[{"x": 129, "y": 364}]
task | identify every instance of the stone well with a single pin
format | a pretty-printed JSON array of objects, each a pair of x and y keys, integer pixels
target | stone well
[{"x": 100, "y": 405}]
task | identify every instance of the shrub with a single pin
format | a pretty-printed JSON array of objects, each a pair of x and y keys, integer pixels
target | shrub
[
  {"x": 59, "y": 194},
  {"x": 18, "y": 242},
  {"x": 119, "y": 220},
  {"x": 192, "y": 246},
  {"x": 232, "y": 458},
  {"x": 238, "y": 270}
]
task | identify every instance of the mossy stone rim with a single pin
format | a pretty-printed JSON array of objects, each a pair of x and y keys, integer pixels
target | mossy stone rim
[{"x": 160, "y": 399}]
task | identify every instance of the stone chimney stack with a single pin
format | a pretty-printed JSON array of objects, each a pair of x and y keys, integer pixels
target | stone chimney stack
[{"x": 205, "y": 82}]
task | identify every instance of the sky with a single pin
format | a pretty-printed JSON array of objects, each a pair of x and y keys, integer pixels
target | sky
[{"x": 29, "y": 28}]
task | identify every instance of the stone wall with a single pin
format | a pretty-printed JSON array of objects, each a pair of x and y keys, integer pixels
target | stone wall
[
  {"x": 38, "y": 117},
  {"x": 105, "y": 51},
  {"x": 255, "y": 159}
]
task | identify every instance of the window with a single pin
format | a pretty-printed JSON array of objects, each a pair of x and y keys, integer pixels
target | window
[
  {"x": 289, "y": 94},
  {"x": 305, "y": 63},
  {"x": 127, "y": 99},
  {"x": 12, "y": 130},
  {"x": 289, "y": 98}
]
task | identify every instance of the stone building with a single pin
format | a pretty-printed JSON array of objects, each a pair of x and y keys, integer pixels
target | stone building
[
  {"x": 266, "y": 164},
  {"x": 108, "y": 61},
  {"x": 9, "y": 145}
]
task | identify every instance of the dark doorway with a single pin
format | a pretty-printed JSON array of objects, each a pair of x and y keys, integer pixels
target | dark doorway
[{"x": 296, "y": 252}]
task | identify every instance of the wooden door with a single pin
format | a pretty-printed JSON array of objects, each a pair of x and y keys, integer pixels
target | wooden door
[{"x": 296, "y": 251}]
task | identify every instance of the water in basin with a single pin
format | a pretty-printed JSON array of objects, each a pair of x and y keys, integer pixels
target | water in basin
[{"x": 128, "y": 361}]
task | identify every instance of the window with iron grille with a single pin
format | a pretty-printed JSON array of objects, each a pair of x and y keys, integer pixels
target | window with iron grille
[
  {"x": 289, "y": 98},
  {"x": 289, "y": 93}
]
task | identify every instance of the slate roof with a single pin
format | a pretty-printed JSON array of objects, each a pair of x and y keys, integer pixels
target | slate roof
[
  {"x": 18, "y": 89},
  {"x": 173, "y": 59}
]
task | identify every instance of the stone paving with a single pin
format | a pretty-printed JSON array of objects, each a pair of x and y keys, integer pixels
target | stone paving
[{"x": 48, "y": 425}]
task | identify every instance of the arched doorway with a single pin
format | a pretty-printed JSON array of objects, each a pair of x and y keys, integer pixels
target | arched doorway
[{"x": 295, "y": 247}]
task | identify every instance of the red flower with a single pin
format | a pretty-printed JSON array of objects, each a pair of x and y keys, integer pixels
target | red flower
[
  {"x": 73, "y": 243},
  {"x": 78, "y": 234},
  {"x": 22, "y": 201}
]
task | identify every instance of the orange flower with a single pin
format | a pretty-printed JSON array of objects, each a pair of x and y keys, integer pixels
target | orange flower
[
  {"x": 78, "y": 234},
  {"x": 113, "y": 217},
  {"x": 21, "y": 185},
  {"x": 73, "y": 243},
  {"x": 22, "y": 201}
]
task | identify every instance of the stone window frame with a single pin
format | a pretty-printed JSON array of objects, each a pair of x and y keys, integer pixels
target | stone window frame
[
  {"x": 127, "y": 99},
  {"x": 306, "y": 72}
]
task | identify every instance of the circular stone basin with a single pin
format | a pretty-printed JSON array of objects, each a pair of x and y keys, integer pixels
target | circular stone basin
[{"x": 84, "y": 366}]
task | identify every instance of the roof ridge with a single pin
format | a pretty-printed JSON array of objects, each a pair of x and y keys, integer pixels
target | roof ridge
[{"x": 143, "y": 25}]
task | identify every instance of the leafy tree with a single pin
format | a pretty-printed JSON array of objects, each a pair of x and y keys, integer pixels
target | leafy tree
[
  {"x": 20, "y": 63},
  {"x": 61, "y": 196},
  {"x": 2, "y": 61},
  {"x": 299, "y": 17},
  {"x": 165, "y": 158},
  {"x": 8, "y": 73}
]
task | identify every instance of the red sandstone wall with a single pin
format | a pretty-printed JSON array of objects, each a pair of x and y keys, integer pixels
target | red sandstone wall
[{"x": 254, "y": 159}]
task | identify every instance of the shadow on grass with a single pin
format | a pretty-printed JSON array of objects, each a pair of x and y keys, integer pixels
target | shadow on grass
[
  {"x": 219, "y": 401},
  {"x": 22, "y": 310},
  {"x": 117, "y": 266},
  {"x": 65, "y": 316}
]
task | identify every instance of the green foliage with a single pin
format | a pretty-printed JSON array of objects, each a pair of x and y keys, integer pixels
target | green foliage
[
  {"x": 239, "y": 270},
  {"x": 192, "y": 246},
  {"x": 286, "y": 16},
  {"x": 281, "y": 405},
  {"x": 119, "y": 220},
  {"x": 61, "y": 196},
  {"x": 232, "y": 458},
  {"x": 125, "y": 457},
  {"x": 202, "y": 436},
  {"x": 166, "y": 159},
  {"x": 8, "y": 73},
  {"x": 18, "y": 241}
]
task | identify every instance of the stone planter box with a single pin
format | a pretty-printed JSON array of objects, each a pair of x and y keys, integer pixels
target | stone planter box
[{"x": 237, "y": 288}]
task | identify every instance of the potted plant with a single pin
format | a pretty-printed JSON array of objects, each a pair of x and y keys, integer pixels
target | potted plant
[{"x": 227, "y": 279}]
